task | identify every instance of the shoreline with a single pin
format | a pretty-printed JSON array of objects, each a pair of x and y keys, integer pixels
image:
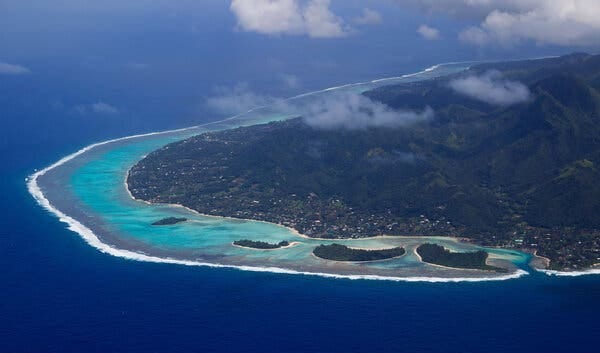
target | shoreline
[
  {"x": 92, "y": 239},
  {"x": 532, "y": 265},
  {"x": 291, "y": 245},
  {"x": 362, "y": 262},
  {"x": 358, "y": 262},
  {"x": 297, "y": 233},
  {"x": 535, "y": 259},
  {"x": 448, "y": 267}
]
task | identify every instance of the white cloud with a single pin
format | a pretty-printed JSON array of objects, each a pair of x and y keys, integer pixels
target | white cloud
[
  {"x": 290, "y": 81},
  {"x": 555, "y": 22},
  {"x": 238, "y": 99},
  {"x": 492, "y": 88},
  {"x": 355, "y": 111},
  {"x": 574, "y": 22},
  {"x": 104, "y": 108},
  {"x": 10, "y": 69},
  {"x": 296, "y": 17},
  {"x": 343, "y": 110},
  {"x": 268, "y": 17},
  {"x": 428, "y": 33},
  {"x": 99, "y": 108},
  {"x": 368, "y": 17}
]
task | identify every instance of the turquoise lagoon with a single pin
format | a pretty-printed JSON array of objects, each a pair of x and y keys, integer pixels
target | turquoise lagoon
[{"x": 87, "y": 190}]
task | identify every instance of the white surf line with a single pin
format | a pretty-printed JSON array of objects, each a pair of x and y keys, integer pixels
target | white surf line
[
  {"x": 429, "y": 69},
  {"x": 89, "y": 237},
  {"x": 434, "y": 67},
  {"x": 329, "y": 89},
  {"x": 569, "y": 273}
]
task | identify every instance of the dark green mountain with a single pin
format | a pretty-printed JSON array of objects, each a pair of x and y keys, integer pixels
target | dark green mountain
[{"x": 522, "y": 175}]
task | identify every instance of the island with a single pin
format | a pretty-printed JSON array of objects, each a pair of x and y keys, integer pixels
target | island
[
  {"x": 338, "y": 252},
  {"x": 169, "y": 221},
  {"x": 245, "y": 243},
  {"x": 438, "y": 255},
  {"x": 521, "y": 176}
]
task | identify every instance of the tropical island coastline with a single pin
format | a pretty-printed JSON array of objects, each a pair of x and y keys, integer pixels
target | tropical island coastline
[
  {"x": 482, "y": 214},
  {"x": 39, "y": 182}
]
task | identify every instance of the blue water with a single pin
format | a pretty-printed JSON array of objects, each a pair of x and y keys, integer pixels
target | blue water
[{"x": 58, "y": 294}]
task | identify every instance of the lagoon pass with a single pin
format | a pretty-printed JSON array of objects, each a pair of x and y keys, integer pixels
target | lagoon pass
[{"x": 87, "y": 191}]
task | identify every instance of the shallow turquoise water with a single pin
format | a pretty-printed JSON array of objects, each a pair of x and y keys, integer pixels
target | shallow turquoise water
[{"x": 94, "y": 187}]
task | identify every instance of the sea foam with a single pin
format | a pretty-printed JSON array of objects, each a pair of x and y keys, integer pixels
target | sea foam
[{"x": 595, "y": 271}]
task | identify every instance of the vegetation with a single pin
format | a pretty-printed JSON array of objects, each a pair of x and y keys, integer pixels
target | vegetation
[
  {"x": 260, "y": 244},
  {"x": 523, "y": 176},
  {"x": 438, "y": 255},
  {"x": 169, "y": 221},
  {"x": 338, "y": 252}
]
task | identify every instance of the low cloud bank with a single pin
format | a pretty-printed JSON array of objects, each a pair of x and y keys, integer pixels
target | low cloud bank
[
  {"x": 492, "y": 88},
  {"x": 355, "y": 111},
  {"x": 335, "y": 110},
  {"x": 238, "y": 99}
]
